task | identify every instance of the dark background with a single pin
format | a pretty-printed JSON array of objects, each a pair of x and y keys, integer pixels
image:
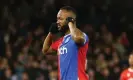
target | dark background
[{"x": 24, "y": 25}]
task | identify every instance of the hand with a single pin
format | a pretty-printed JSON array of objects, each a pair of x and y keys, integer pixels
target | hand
[
  {"x": 53, "y": 28},
  {"x": 70, "y": 19}
]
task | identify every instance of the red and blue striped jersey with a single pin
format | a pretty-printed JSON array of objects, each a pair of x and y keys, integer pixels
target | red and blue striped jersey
[{"x": 71, "y": 58}]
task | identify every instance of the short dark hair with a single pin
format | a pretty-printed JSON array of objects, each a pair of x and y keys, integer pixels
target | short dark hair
[{"x": 69, "y": 8}]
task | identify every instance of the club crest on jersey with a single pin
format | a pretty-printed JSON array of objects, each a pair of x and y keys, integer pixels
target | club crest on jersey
[
  {"x": 62, "y": 50},
  {"x": 67, "y": 39}
]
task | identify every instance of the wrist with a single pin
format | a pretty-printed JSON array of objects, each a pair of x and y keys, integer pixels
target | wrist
[{"x": 70, "y": 24}]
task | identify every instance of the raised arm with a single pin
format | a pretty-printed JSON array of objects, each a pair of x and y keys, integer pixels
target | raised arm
[
  {"x": 48, "y": 40},
  {"x": 77, "y": 35},
  {"x": 47, "y": 43}
]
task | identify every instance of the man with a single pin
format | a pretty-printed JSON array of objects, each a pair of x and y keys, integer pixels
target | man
[
  {"x": 71, "y": 48},
  {"x": 128, "y": 73}
]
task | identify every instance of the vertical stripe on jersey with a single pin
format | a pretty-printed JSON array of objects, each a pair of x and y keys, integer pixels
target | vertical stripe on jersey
[{"x": 81, "y": 62}]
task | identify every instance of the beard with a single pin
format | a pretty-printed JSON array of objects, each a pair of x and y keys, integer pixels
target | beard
[{"x": 65, "y": 28}]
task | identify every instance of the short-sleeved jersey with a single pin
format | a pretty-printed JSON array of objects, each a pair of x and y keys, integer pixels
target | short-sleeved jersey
[
  {"x": 127, "y": 74},
  {"x": 71, "y": 58}
]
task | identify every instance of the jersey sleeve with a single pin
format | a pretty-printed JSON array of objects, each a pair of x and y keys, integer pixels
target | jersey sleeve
[
  {"x": 56, "y": 44},
  {"x": 86, "y": 38}
]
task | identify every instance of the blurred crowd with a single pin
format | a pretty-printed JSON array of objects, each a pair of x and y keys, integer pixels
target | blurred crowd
[{"x": 24, "y": 25}]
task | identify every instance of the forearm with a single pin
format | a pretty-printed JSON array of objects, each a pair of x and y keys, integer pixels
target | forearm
[
  {"x": 76, "y": 34},
  {"x": 47, "y": 43}
]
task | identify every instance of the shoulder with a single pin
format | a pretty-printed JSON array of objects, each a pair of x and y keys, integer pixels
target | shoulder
[
  {"x": 59, "y": 40},
  {"x": 86, "y": 36},
  {"x": 124, "y": 72}
]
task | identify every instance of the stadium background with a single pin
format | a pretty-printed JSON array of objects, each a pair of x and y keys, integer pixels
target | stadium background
[{"x": 24, "y": 25}]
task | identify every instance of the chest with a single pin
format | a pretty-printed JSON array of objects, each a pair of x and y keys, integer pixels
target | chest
[{"x": 67, "y": 46}]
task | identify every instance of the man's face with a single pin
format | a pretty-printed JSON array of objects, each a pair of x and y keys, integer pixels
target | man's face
[
  {"x": 61, "y": 20},
  {"x": 131, "y": 60}
]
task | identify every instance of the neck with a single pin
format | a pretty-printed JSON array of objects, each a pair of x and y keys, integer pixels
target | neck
[{"x": 67, "y": 32}]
